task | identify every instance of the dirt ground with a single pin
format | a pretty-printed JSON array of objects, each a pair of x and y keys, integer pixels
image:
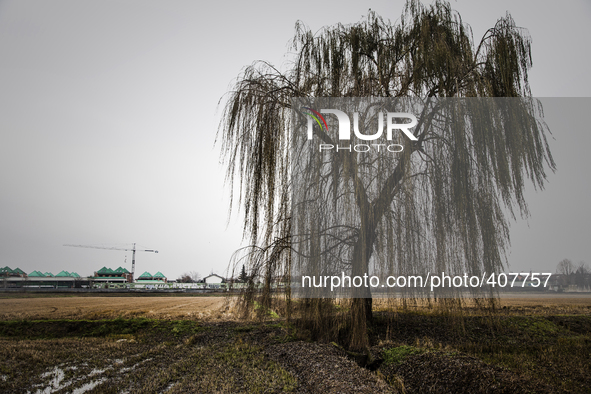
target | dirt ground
[
  {"x": 535, "y": 343},
  {"x": 209, "y": 308}
]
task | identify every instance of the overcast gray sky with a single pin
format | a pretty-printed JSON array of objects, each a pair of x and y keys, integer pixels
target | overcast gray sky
[{"x": 109, "y": 110}]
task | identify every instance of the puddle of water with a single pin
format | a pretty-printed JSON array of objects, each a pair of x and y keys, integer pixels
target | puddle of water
[
  {"x": 57, "y": 375},
  {"x": 127, "y": 369},
  {"x": 55, "y": 384},
  {"x": 97, "y": 371},
  {"x": 57, "y": 381},
  {"x": 88, "y": 386},
  {"x": 168, "y": 387}
]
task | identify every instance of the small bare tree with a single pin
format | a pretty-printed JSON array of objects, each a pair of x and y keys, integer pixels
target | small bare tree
[
  {"x": 582, "y": 276},
  {"x": 565, "y": 267},
  {"x": 190, "y": 277},
  {"x": 583, "y": 268}
]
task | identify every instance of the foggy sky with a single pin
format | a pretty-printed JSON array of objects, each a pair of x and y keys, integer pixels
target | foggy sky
[{"x": 109, "y": 112}]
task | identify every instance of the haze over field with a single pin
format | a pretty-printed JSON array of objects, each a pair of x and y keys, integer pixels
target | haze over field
[{"x": 108, "y": 121}]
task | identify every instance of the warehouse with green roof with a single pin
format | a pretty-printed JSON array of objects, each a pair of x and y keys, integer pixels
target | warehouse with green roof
[
  {"x": 109, "y": 275},
  {"x": 104, "y": 277},
  {"x": 148, "y": 278},
  {"x": 17, "y": 278},
  {"x": 9, "y": 272}
]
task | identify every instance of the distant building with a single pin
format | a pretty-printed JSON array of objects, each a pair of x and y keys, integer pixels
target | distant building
[
  {"x": 148, "y": 278},
  {"x": 8, "y": 272},
  {"x": 103, "y": 278},
  {"x": 214, "y": 279},
  {"x": 120, "y": 272},
  {"x": 37, "y": 274},
  {"x": 17, "y": 278},
  {"x": 65, "y": 274}
]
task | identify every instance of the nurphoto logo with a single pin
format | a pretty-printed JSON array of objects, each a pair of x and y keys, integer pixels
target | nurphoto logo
[{"x": 393, "y": 120}]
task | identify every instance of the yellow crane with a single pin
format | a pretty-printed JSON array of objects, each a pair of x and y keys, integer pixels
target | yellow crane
[{"x": 133, "y": 249}]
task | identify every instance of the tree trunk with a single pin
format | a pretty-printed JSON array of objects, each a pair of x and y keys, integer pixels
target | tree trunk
[
  {"x": 361, "y": 306},
  {"x": 359, "y": 336}
]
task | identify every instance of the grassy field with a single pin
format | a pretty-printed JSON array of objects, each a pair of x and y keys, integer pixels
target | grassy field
[{"x": 195, "y": 345}]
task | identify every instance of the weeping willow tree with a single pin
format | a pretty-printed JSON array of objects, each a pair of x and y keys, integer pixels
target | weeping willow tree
[{"x": 441, "y": 204}]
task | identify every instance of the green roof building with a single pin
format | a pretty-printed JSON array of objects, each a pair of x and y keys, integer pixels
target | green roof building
[
  {"x": 145, "y": 276},
  {"x": 105, "y": 271},
  {"x": 110, "y": 273},
  {"x": 148, "y": 278},
  {"x": 6, "y": 271},
  {"x": 62, "y": 274},
  {"x": 36, "y": 274}
]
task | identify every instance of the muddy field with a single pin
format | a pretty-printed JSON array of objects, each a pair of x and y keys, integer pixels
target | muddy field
[{"x": 64, "y": 344}]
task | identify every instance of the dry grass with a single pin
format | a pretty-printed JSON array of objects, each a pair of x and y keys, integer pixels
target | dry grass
[
  {"x": 220, "y": 308},
  {"x": 528, "y": 304},
  {"x": 209, "y": 308}
]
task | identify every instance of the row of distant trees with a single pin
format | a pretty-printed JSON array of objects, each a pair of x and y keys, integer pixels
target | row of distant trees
[{"x": 578, "y": 275}]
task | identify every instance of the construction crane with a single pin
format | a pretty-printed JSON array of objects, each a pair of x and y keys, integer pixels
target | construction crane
[{"x": 133, "y": 249}]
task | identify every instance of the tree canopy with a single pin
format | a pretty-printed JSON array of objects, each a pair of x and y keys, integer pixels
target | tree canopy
[{"x": 441, "y": 202}]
